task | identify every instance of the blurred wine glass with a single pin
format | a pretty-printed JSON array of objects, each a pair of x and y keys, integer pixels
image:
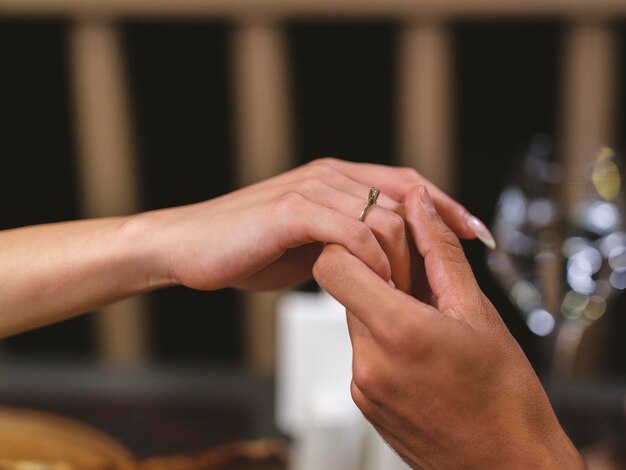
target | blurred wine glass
[{"x": 560, "y": 267}]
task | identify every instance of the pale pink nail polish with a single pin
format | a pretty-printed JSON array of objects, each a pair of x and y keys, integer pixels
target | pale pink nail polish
[
  {"x": 480, "y": 230},
  {"x": 426, "y": 200}
]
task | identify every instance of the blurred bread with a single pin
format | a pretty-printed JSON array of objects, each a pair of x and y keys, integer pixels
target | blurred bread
[{"x": 35, "y": 440}]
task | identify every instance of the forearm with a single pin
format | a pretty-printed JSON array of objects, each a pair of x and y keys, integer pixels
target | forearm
[{"x": 52, "y": 272}]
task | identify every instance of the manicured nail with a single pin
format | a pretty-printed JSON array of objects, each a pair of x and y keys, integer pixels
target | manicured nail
[
  {"x": 426, "y": 200},
  {"x": 481, "y": 231},
  {"x": 390, "y": 282}
]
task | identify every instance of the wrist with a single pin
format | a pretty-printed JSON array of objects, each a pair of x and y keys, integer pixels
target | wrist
[
  {"x": 563, "y": 454},
  {"x": 555, "y": 451},
  {"x": 145, "y": 252}
]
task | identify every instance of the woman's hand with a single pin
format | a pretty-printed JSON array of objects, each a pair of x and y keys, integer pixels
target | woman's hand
[
  {"x": 442, "y": 379},
  {"x": 268, "y": 235},
  {"x": 264, "y": 236}
]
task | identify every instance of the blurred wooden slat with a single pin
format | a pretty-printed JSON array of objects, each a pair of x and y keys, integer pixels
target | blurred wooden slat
[
  {"x": 588, "y": 124},
  {"x": 399, "y": 9},
  {"x": 589, "y": 91},
  {"x": 424, "y": 101},
  {"x": 107, "y": 169},
  {"x": 263, "y": 150}
]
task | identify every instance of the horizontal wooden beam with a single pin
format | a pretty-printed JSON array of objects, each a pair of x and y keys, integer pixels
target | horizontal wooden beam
[{"x": 398, "y": 9}]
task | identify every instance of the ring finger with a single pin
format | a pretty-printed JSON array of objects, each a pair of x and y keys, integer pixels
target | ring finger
[{"x": 387, "y": 226}]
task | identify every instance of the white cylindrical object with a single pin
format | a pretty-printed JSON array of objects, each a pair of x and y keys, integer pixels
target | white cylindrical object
[
  {"x": 313, "y": 400},
  {"x": 333, "y": 435},
  {"x": 314, "y": 356}
]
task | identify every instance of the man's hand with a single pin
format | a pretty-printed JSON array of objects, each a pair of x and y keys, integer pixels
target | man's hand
[{"x": 443, "y": 381}]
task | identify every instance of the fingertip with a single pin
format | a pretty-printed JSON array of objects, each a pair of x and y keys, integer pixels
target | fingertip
[
  {"x": 454, "y": 215},
  {"x": 480, "y": 231},
  {"x": 412, "y": 201},
  {"x": 427, "y": 201},
  {"x": 419, "y": 203}
]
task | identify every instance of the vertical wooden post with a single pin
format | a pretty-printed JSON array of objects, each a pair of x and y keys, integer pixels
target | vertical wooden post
[
  {"x": 589, "y": 88},
  {"x": 107, "y": 168},
  {"x": 424, "y": 101},
  {"x": 589, "y": 92},
  {"x": 263, "y": 150}
]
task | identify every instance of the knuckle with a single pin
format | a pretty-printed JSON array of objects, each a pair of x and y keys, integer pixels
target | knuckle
[
  {"x": 289, "y": 202},
  {"x": 408, "y": 340},
  {"x": 367, "y": 379},
  {"x": 410, "y": 175},
  {"x": 325, "y": 160},
  {"x": 395, "y": 225},
  {"x": 310, "y": 186},
  {"x": 359, "y": 398},
  {"x": 321, "y": 169}
]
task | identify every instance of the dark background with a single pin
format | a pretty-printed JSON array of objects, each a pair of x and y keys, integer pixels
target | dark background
[{"x": 343, "y": 78}]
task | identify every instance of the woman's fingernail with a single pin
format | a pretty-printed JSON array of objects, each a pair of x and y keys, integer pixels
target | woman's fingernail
[
  {"x": 390, "y": 282},
  {"x": 426, "y": 200},
  {"x": 481, "y": 231}
]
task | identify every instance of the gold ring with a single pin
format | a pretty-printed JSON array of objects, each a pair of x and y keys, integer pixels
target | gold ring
[{"x": 371, "y": 200}]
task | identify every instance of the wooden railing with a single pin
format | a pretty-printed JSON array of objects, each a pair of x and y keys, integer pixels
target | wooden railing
[
  {"x": 282, "y": 9},
  {"x": 262, "y": 103}
]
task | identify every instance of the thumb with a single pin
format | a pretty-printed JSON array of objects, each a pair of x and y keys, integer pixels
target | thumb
[{"x": 448, "y": 272}]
